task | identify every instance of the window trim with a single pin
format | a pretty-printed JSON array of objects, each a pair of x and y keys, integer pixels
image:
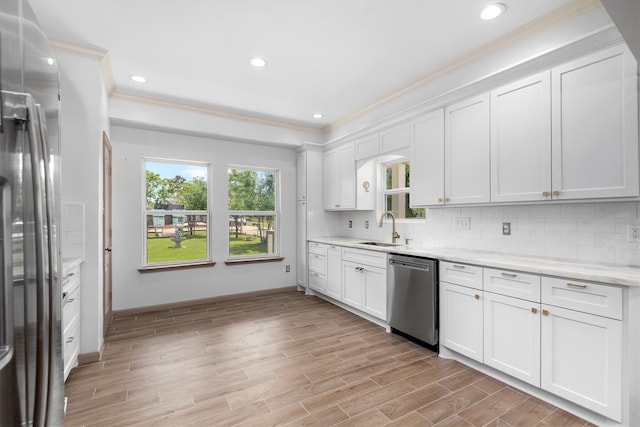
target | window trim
[
  {"x": 276, "y": 255},
  {"x": 160, "y": 266},
  {"x": 381, "y": 206}
]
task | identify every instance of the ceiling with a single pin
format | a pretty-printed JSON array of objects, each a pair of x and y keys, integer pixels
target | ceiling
[{"x": 334, "y": 57}]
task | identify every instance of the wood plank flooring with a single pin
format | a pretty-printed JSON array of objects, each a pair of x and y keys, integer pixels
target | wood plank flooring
[{"x": 284, "y": 359}]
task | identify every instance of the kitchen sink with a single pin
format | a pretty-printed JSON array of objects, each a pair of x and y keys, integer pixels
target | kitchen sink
[{"x": 384, "y": 244}]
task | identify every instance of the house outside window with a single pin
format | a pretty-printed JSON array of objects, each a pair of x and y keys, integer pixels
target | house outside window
[
  {"x": 253, "y": 212},
  {"x": 396, "y": 197},
  {"x": 176, "y": 215}
]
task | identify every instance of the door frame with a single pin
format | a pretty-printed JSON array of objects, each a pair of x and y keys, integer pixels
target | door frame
[{"x": 107, "y": 264}]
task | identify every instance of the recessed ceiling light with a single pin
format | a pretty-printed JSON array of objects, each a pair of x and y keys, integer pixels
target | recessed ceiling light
[
  {"x": 492, "y": 11},
  {"x": 50, "y": 61},
  {"x": 258, "y": 62},
  {"x": 138, "y": 78},
  {"x": 318, "y": 116}
]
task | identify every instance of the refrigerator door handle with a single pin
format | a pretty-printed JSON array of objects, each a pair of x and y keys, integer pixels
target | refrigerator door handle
[
  {"x": 43, "y": 353},
  {"x": 6, "y": 266}
]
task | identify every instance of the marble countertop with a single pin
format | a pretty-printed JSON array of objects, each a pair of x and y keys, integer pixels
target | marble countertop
[{"x": 604, "y": 273}]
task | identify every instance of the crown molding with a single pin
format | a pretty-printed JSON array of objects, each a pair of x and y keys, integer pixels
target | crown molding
[
  {"x": 557, "y": 16},
  {"x": 145, "y": 99}
]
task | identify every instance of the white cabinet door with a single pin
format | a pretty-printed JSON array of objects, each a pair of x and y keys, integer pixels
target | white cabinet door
[
  {"x": 332, "y": 180},
  {"x": 301, "y": 243},
  {"x": 375, "y": 292},
  {"x": 582, "y": 359},
  {"x": 334, "y": 272},
  {"x": 340, "y": 178},
  {"x": 427, "y": 159},
  {"x": 301, "y": 175},
  {"x": 595, "y": 126},
  {"x": 521, "y": 140},
  {"x": 512, "y": 336},
  {"x": 352, "y": 284},
  {"x": 461, "y": 320},
  {"x": 395, "y": 138},
  {"x": 466, "y": 154}
]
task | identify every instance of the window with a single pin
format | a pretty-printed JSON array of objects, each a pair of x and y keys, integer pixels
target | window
[
  {"x": 396, "y": 191},
  {"x": 253, "y": 212},
  {"x": 176, "y": 216}
]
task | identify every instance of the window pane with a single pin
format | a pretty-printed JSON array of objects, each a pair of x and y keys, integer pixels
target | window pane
[
  {"x": 397, "y": 175},
  {"x": 252, "y": 235},
  {"x": 252, "y": 190},
  {"x": 399, "y": 205},
  {"x": 176, "y": 186},
  {"x": 176, "y": 238}
]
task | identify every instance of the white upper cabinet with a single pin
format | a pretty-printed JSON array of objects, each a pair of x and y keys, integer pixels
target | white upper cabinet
[
  {"x": 427, "y": 159},
  {"x": 521, "y": 140},
  {"x": 301, "y": 175},
  {"x": 395, "y": 138},
  {"x": 595, "y": 126},
  {"x": 366, "y": 146},
  {"x": 340, "y": 178},
  {"x": 466, "y": 152}
]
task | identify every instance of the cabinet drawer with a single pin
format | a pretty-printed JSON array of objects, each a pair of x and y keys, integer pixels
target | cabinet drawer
[
  {"x": 461, "y": 274},
  {"x": 71, "y": 346},
  {"x": 317, "y": 281},
  {"x": 362, "y": 256},
  {"x": 71, "y": 308},
  {"x": 318, "y": 263},
  {"x": 317, "y": 248},
  {"x": 593, "y": 298},
  {"x": 511, "y": 283}
]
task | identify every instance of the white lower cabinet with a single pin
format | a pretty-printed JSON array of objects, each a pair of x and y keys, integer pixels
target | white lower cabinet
[
  {"x": 461, "y": 320},
  {"x": 70, "y": 317},
  {"x": 353, "y": 285},
  {"x": 512, "y": 336},
  {"x": 565, "y": 339},
  {"x": 334, "y": 272},
  {"x": 375, "y": 292},
  {"x": 318, "y": 267}
]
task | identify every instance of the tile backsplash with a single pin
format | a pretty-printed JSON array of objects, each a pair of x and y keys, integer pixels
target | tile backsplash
[
  {"x": 72, "y": 227},
  {"x": 586, "y": 232}
]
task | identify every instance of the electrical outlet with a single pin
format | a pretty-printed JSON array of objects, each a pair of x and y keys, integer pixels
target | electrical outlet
[
  {"x": 463, "y": 223},
  {"x": 366, "y": 224},
  {"x": 287, "y": 268},
  {"x": 350, "y": 224},
  {"x": 633, "y": 233},
  {"x": 506, "y": 229}
]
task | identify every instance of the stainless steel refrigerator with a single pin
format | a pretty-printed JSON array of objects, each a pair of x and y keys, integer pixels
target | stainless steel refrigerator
[{"x": 31, "y": 384}]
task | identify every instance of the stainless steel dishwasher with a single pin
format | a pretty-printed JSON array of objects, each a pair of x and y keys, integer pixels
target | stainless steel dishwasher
[{"x": 413, "y": 298}]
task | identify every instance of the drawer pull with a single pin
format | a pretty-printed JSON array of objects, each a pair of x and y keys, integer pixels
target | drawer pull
[
  {"x": 575, "y": 285},
  {"x": 71, "y": 300},
  {"x": 439, "y": 200},
  {"x": 509, "y": 274},
  {"x": 545, "y": 312},
  {"x": 545, "y": 194},
  {"x": 69, "y": 275},
  {"x": 534, "y": 310},
  {"x": 556, "y": 193},
  {"x": 458, "y": 266},
  {"x": 70, "y": 340},
  {"x": 477, "y": 296}
]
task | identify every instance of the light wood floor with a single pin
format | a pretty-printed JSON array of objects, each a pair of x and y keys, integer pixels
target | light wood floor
[{"x": 284, "y": 359}]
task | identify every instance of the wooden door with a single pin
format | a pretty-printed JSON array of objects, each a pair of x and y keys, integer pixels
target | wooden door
[{"x": 106, "y": 227}]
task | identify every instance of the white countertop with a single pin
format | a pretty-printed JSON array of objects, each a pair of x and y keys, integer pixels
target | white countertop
[{"x": 604, "y": 273}]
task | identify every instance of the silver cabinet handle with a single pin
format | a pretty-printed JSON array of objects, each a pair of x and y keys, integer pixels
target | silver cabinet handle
[
  {"x": 508, "y": 275},
  {"x": 71, "y": 300},
  {"x": 70, "y": 340},
  {"x": 458, "y": 266}
]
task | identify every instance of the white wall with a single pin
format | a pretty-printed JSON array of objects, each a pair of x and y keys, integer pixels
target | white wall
[
  {"x": 134, "y": 289},
  {"x": 83, "y": 119},
  {"x": 586, "y": 232}
]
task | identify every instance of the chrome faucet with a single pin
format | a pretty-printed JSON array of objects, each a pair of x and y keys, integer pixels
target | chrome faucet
[{"x": 394, "y": 234}]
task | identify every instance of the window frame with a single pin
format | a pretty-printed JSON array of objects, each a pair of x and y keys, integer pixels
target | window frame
[
  {"x": 146, "y": 265},
  {"x": 276, "y": 255},
  {"x": 382, "y": 205}
]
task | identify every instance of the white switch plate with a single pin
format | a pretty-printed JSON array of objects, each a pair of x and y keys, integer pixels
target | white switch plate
[
  {"x": 463, "y": 223},
  {"x": 633, "y": 233}
]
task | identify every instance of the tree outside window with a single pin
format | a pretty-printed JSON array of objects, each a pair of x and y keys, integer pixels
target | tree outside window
[
  {"x": 176, "y": 213},
  {"x": 396, "y": 191},
  {"x": 253, "y": 212}
]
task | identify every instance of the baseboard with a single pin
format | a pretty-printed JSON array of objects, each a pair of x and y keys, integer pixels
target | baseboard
[
  {"x": 180, "y": 304},
  {"x": 95, "y": 356}
]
